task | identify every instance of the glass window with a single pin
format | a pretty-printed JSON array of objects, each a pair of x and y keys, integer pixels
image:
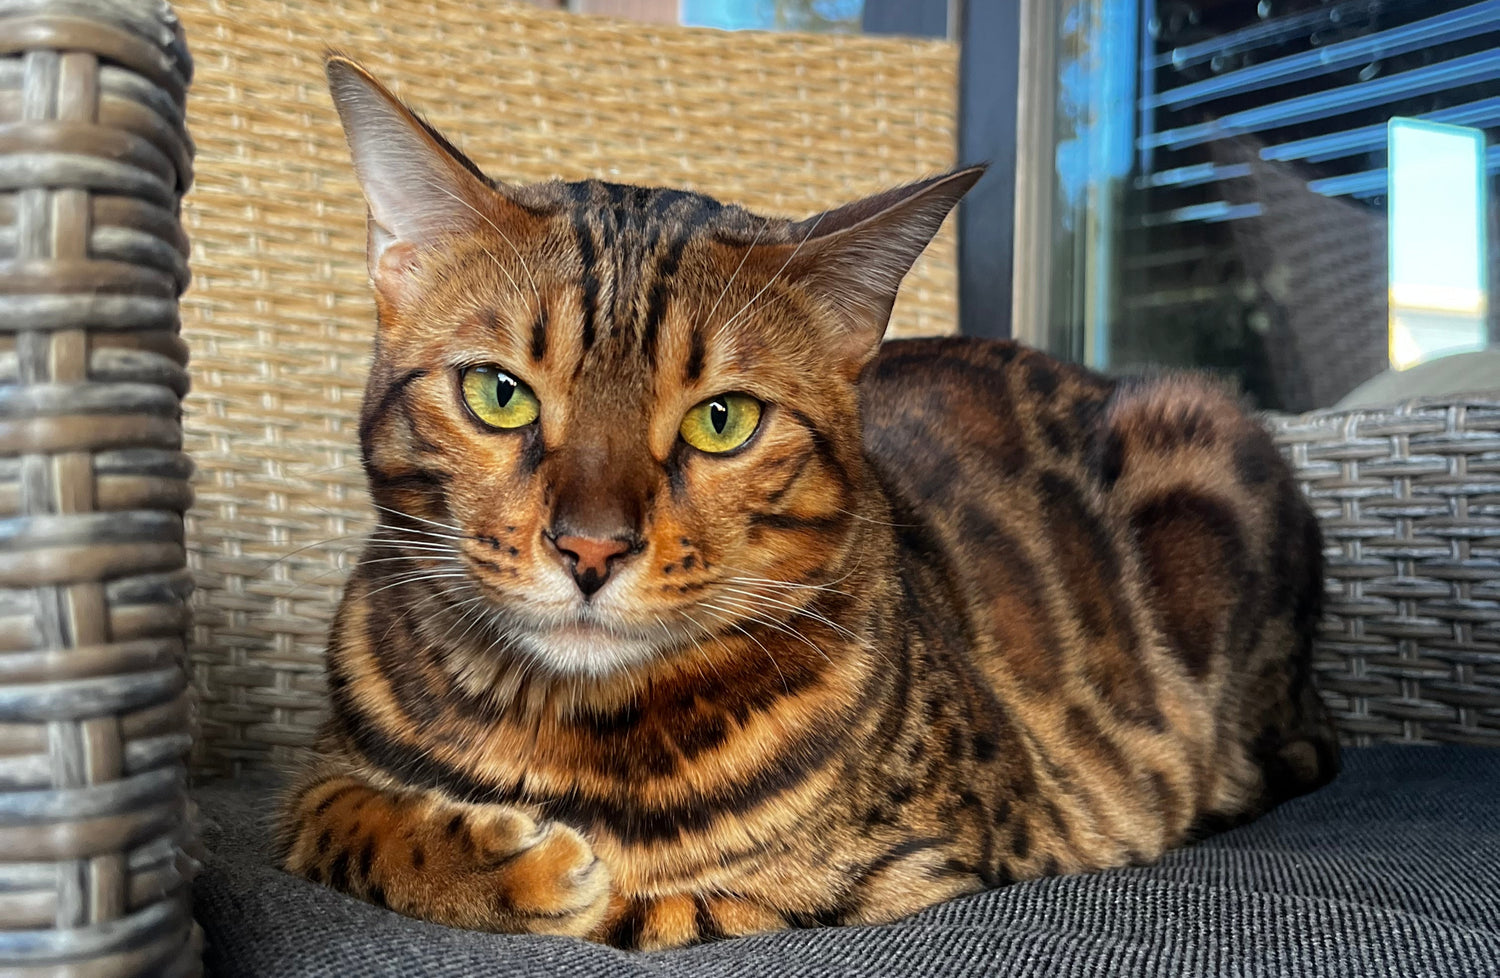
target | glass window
[
  {"x": 1296, "y": 194},
  {"x": 840, "y": 16}
]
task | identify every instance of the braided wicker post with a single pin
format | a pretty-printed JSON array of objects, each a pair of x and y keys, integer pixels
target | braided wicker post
[{"x": 94, "y": 719}]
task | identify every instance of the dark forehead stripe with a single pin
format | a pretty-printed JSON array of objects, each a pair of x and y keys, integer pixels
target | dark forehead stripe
[
  {"x": 589, "y": 278},
  {"x": 696, "y": 352},
  {"x": 693, "y": 212},
  {"x": 630, "y": 243},
  {"x": 539, "y": 333}
]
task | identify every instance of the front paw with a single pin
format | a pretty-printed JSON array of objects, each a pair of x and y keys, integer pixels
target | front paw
[
  {"x": 479, "y": 867},
  {"x": 540, "y": 878}
]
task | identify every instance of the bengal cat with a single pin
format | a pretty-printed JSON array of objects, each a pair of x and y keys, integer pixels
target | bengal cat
[{"x": 695, "y": 611}]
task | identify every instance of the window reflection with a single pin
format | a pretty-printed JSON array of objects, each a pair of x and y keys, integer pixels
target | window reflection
[
  {"x": 1217, "y": 187},
  {"x": 781, "y": 15},
  {"x": 1438, "y": 302},
  {"x": 839, "y": 16}
]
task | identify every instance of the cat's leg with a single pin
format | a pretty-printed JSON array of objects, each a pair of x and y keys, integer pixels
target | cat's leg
[
  {"x": 483, "y": 867},
  {"x": 1291, "y": 733},
  {"x": 907, "y": 877},
  {"x": 1234, "y": 566},
  {"x": 679, "y": 919}
]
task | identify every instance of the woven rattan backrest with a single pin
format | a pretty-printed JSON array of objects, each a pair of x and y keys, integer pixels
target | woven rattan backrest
[
  {"x": 93, "y": 482},
  {"x": 1409, "y": 502},
  {"x": 280, "y": 318}
]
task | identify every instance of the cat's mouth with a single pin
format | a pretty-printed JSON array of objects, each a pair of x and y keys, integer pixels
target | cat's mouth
[
  {"x": 569, "y": 635},
  {"x": 590, "y": 645},
  {"x": 584, "y": 629}
]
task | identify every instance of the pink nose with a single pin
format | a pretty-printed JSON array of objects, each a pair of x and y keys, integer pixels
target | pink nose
[{"x": 589, "y": 558}]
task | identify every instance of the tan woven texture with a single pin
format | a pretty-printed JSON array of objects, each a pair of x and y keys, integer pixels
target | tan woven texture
[
  {"x": 94, "y": 712},
  {"x": 1409, "y": 503},
  {"x": 279, "y": 317}
]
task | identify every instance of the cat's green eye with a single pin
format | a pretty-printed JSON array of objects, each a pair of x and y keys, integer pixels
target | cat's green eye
[
  {"x": 498, "y": 399},
  {"x": 721, "y": 424}
]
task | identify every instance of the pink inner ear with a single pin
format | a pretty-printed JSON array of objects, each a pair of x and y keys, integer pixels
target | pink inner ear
[
  {"x": 418, "y": 186},
  {"x": 854, "y": 257},
  {"x": 392, "y": 270}
]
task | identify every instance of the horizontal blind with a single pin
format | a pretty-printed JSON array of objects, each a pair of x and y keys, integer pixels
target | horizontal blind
[{"x": 1253, "y": 219}]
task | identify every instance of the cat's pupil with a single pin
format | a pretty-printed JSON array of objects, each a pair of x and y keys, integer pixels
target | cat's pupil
[
  {"x": 718, "y": 415},
  {"x": 505, "y": 389}
]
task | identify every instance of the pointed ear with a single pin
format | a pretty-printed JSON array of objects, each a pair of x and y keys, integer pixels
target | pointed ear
[
  {"x": 854, "y": 257},
  {"x": 418, "y": 187}
]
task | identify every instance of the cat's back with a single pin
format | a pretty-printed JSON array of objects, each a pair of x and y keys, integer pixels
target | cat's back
[
  {"x": 950, "y": 418},
  {"x": 989, "y": 454},
  {"x": 1135, "y": 570}
]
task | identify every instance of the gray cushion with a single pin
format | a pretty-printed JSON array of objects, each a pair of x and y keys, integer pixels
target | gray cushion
[
  {"x": 1450, "y": 376},
  {"x": 1393, "y": 870}
]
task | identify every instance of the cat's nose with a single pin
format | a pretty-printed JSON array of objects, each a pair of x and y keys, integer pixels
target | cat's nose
[{"x": 590, "y": 558}]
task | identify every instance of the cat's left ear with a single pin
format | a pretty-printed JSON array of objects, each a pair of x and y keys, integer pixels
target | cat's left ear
[
  {"x": 854, "y": 257},
  {"x": 420, "y": 189}
]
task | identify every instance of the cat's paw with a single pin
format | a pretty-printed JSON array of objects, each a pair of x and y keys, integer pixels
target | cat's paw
[
  {"x": 479, "y": 867},
  {"x": 542, "y": 878}
]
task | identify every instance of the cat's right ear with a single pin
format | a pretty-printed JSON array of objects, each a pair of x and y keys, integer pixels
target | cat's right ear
[{"x": 418, "y": 187}]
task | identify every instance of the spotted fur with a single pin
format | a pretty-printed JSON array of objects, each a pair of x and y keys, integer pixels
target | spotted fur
[{"x": 958, "y": 614}]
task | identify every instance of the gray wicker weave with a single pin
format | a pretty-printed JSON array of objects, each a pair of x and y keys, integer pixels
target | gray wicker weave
[
  {"x": 94, "y": 718},
  {"x": 1409, "y": 502}
]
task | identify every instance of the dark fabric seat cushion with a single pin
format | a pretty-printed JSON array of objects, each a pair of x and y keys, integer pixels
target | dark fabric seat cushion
[{"x": 1393, "y": 870}]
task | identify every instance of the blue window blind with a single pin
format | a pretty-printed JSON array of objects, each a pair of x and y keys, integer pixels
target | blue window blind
[
  {"x": 1315, "y": 88},
  {"x": 1253, "y": 224}
]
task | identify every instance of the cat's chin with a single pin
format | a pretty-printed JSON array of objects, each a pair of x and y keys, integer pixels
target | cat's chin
[{"x": 588, "y": 649}]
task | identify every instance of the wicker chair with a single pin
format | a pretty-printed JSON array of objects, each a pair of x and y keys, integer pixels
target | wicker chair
[
  {"x": 93, "y": 723},
  {"x": 93, "y": 707}
]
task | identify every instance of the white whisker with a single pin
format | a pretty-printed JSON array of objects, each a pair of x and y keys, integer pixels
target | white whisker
[
  {"x": 420, "y": 519},
  {"x": 805, "y": 238},
  {"x": 736, "y": 606},
  {"x": 471, "y": 606},
  {"x": 741, "y": 629},
  {"x": 380, "y": 525},
  {"x": 735, "y": 274},
  {"x": 440, "y": 560},
  {"x": 795, "y": 584},
  {"x": 503, "y": 236},
  {"x": 411, "y": 546},
  {"x": 292, "y": 553},
  {"x": 796, "y": 610},
  {"x": 788, "y": 585},
  {"x": 414, "y": 579},
  {"x": 668, "y": 634},
  {"x": 705, "y": 630},
  {"x": 871, "y": 519}
]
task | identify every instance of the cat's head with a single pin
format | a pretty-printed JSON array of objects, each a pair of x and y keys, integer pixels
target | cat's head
[{"x": 625, "y": 419}]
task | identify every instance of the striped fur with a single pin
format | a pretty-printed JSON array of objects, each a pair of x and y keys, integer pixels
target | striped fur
[{"x": 957, "y": 614}]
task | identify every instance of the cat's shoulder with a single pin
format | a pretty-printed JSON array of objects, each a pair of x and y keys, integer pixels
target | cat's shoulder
[{"x": 971, "y": 369}]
